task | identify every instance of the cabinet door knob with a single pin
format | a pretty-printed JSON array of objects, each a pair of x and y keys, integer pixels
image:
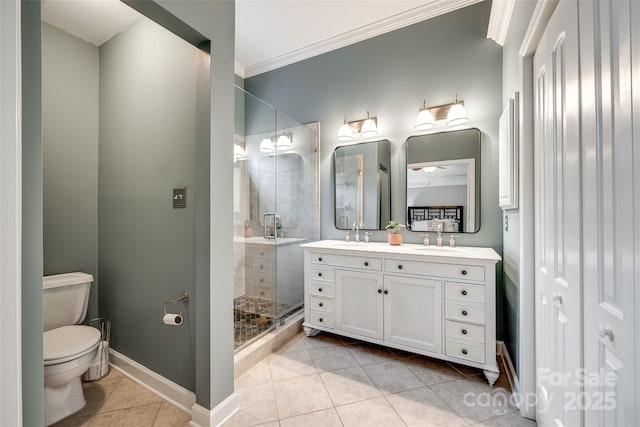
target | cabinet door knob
[
  {"x": 463, "y": 292},
  {"x": 464, "y": 332},
  {"x": 320, "y": 320},
  {"x": 400, "y": 267},
  {"x": 319, "y": 289},
  {"x": 319, "y": 304},
  {"x": 464, "y": 350},
  {"x": 605, "y": 332},
  {"x": 319, "y": 274},
  {"x": 320, "y": 259},
  {"x": 366, "y": 263},
  {"x": 379, "y": 291},
  {"x": 464, "y": 312},
  {"x": 464, "y": 272},
  {"x": 386, "y": 292}
]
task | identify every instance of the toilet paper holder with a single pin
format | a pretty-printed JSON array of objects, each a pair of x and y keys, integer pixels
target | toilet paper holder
[{"x": 184, "y": 297}]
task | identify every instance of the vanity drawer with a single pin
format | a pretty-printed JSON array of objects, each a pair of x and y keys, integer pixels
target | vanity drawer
[
  {"x": 364, "y": 262},
  {"x": 464, "y": 331},
  {"x": 254, "y": 252},
  {"x": 320, "y": 288},
  {"x": 321, "y": 304},
  {"x": 464, "y": 292},
  {"x": 465, "y": 350},
  {"x": 322, "y": 319},
  {"x": 260, "y": 266},
  {"x": 262, "y": 279},
  {"x": 466, "y": 312},
  {"x": 319, "y": 273},
  {"x": 468, "y": 272},
  {"x": 264, "y": 292}
]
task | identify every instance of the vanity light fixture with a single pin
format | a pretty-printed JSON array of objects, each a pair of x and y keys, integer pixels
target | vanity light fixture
[
  {"x": 284, "y": 143},
  {"x": 425, "y": 120},
  {"x": 365, "y": 127},
  {"x": 369, "y": 127},
  {"x": 429, "y": 169},
  {"x": 457, "y": 114},
  {"x": 238, "y": 153},
  {"x": 345, "y": 133},
  {"x": 266, "y": 146}
]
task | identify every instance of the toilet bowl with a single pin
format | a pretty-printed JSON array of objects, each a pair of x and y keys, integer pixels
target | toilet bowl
[{"x": 68, "y": 348}]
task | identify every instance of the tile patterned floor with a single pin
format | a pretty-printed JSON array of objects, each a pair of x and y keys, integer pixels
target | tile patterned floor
[
  {"x": 115, "y": 400},
  {"x": 252, "y": 316},
  {"x": 332, "y": 381}
]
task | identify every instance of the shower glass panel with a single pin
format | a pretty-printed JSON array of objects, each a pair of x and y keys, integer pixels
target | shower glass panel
[{"x": 276, "y": 209}]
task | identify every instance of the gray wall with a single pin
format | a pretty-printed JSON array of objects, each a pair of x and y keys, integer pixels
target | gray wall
[
  {"x": 390, "y": 75},
  {"x": 32, "y": 366},
  {"x": 70, "y": 70},
  {"x": 148, "y": 141},
  {"x": 510, "y": 84}
]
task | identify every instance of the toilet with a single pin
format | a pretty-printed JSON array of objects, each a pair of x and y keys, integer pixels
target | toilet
[{"x": 68, "y": 348}]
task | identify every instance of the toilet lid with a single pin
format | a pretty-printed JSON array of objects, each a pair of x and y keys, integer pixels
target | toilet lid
[{"x": 68, "y": 342}]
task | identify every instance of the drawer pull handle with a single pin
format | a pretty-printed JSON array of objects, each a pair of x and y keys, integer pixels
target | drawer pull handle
[
  {"x": 386, "y": 292},
  {"x": 464, "y": 332},
  {"x": 463, "y": 292},
  {"x": 319, "y": 289},
  {"x": 379, "y": 291},
  {"x": 320, "y": 320},
  {"x": 400, "y": 267},
  {"x": 261, "y": 267},
  {"x": 366, "y": 263},
  {"x": 261, "y": 280},
  {"x": 262, "y": 293},
  {"x": 319, "y": 274},
  {"x": 464, "y": 350},
  {"x": 464, "y": 312},
  {"x": 320, "y": 259},
  {"x": 261, "y": 253},
  {"x": 319, "y": 304},
  {"x": 464, "y": 272}
]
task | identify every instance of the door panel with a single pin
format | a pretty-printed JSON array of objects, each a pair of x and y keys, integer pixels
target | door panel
[
  {"x": 359, "y": 303},
  {"x": 557, "y": 222},
  {"x": 608, "y": 252}
]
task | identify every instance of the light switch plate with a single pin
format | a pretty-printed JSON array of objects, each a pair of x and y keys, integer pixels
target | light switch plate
[{"x": 179, "y": 198}]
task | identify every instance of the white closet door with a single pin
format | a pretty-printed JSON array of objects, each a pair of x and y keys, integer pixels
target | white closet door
[
  {"x": 611, "y": 207},
  {"x": 557, "y": 220}
]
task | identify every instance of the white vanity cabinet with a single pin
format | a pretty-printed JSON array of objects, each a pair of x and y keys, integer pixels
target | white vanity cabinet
[{"x": 438, "y": 302}]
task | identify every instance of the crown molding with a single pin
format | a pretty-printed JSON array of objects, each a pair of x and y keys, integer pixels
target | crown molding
[
  {"x": 501, "y": 12},
  {"x": 538, "y": 23},
  {"x": 430, "y": 10},
  {"x": 238, "y": 69}
]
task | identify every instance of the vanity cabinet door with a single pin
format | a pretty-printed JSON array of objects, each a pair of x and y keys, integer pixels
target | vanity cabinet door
[
  {"x": 413, "y": 312},
  {"x": 358, "y": 302}
]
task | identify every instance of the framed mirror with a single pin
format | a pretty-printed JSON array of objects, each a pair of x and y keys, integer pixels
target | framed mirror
[
  {"x": 362, "y": 185},
  {"x": 443, "y": 182}
]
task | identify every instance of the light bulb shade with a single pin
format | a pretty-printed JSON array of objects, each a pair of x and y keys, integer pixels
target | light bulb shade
[
  {"x": 266, "y": 146},
  {"x": 457, "y": 115},
  {"x": 425, "y": 120},
  {"x": 369, "y": 128},
  {"x": 284, "y": 143},
  {"x": 344, "y": 133},
  {"x": 238, "y": 152}
]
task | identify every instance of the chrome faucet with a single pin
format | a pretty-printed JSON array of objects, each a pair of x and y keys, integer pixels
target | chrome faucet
[
  {"x": 357, "y": 226},
  {"x": 439, "y": 238}
]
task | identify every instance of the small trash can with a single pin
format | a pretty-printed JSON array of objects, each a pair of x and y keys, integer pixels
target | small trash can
[{"x": 99, "y": 368}]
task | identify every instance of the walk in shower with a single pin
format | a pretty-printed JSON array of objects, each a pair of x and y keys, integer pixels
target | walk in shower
[{"x": 276, "y": 208}]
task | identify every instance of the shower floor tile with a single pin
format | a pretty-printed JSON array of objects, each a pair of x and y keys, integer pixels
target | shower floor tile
[{"x": 253, "y": 316}]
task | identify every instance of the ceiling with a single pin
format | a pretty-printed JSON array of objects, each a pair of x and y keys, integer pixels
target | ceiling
[{"x": 269, "y": 33}]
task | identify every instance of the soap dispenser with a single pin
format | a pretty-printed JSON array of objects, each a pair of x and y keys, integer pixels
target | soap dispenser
[
  {"x": 426, "y": 239},
  {"x": 452, "y": 241}
]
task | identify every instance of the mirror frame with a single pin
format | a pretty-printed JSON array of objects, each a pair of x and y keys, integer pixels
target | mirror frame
[
  {"x": 333, "y": 176},
  {"x": 475, "y": 166}
]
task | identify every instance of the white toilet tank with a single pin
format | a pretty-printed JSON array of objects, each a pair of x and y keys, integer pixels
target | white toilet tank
[{"x": 65, "y": 298}]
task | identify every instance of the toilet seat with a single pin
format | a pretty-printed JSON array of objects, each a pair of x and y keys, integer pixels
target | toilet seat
[{"x": 67, "y": 343}]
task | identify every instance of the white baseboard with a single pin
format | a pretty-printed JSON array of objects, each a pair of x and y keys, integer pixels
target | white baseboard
[
  {"x": 501, "y": 350},
  {"x": 156, "y": 383},
  {"x": 202, "y": 417}
]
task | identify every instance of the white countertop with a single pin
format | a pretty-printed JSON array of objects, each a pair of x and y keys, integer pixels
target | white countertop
[
  {"x": 259, "y": 240},
  {"x": 467, "y": 252}
]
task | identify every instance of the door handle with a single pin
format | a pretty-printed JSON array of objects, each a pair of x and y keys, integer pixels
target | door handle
[
  {"x": 557, "y": 298},
  {"x": 605, "y": 332}
]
